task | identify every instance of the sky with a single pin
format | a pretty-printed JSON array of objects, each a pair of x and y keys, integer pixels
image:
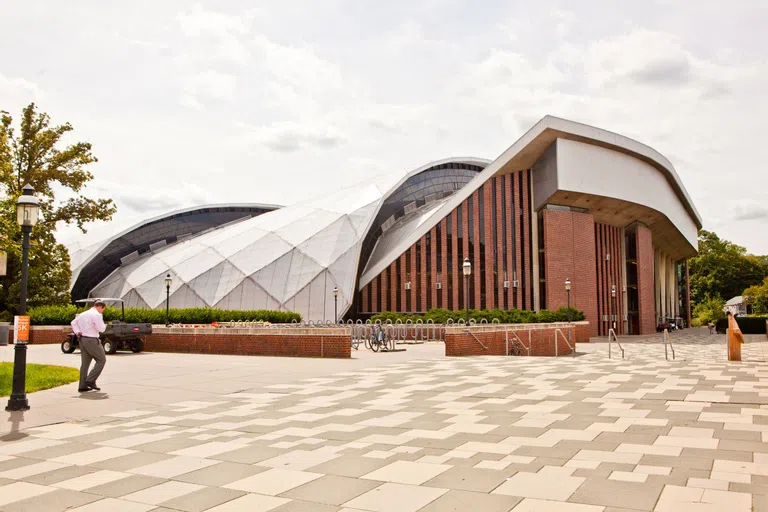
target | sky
[{"x": 191, "y": 103}]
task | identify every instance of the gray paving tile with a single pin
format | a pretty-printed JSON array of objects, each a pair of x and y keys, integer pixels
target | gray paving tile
[
  {"x": 464, "y": 501},
  {"x": 350, "y": 466},
  {"x": 468, "y": 479},
  {"x": 202, "y": 499},
  {"x": 221, "y": 474},
  {"x": 125, "y": 486},
  {"x": 642, "y": 496},
  {"x": 56, "y": 501},
  {"x": 331, "y": 490}
]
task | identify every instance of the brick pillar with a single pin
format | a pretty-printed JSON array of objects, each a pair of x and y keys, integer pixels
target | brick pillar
[
  {"x": 476, "y": 261},
  {"x": 499, "y": 284},
  {"x": 393, "y": 286},
  {"x": 366, "y": 306},
  {"x": 645, "y": 280},
  {"x": 512, "y": 233},
  {"x": 490, "y": 282},
  {"x": 465, "y": 230},
  {"x": 403, "y": 280},
  {"x": 444, "y": 261},
  {"x": 414, "y": 275},
  {"x": 424, "y": 287},
  {"x": 384, "y": 290},
  {"x": 569, "y": 244},
  {"x": 375, "y": 295},
  {"x": 525, "y": 281},
  {"x": 455, "y": 266},
  {"x": 433, "y": 291},
  {"x": 518, "y": 292}
]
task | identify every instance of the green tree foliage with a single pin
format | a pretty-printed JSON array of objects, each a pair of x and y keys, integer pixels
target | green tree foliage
[
  {"x": 708, "y": 310},
  {"x": 36, "y": 155},
  {"x": 723, "y": 269},
  {"x": 757, "y": 298}
]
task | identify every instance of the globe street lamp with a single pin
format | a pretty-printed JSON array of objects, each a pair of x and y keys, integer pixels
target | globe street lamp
[
  {"x": 613, "y": 307},
  {"x": 168, "y": 283},
  {"x": 568, "y": 311},
  {"x": 335, "y": 304},
  {"x": 467, "y": 269},
  {"x": 27, "y": 210}
]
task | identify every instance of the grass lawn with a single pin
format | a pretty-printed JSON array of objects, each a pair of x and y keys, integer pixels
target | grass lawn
[{"x": 39, "y": 376}]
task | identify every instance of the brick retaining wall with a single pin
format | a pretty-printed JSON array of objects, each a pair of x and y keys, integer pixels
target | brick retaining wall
[
  {"x": 44, "y": 334},
  {"x": 492, "y": 340},
  {"x": 332, "y": 343}
]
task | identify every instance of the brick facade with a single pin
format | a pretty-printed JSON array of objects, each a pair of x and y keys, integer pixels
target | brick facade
[
  {"x": 569, "y": 253},
  {"x": 645, "y": 280},
  {"x": 610, "y": 272}
]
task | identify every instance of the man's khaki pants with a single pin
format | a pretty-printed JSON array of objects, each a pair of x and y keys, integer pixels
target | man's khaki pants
[{"x": 91, "y": 348}]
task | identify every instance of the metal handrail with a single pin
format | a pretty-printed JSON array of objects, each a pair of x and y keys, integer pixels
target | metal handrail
[
  {"x": 573, "y": 350},
  {"x": 668, "y": 341},
  {"x": 469, "y": 331},
  {"x": 612, "y": 333}
]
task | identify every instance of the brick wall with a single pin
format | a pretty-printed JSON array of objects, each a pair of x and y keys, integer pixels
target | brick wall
[
  {"x": 569, "y": 244},
  {"x": 492, "y": 341},
  {"x": 44, "y": 334},
  {"x": 645, "y": 280},
  {"x": 610, "y": 272},
  {"x": 268, "y": 342}
]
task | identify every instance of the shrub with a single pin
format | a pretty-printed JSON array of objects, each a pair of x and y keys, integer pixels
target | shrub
[
  {"x": 747, "y": 324},
  {"x": 511, "y": 316},
  {"x": 710, "y": 310},
  {"x": 63, "y": 315}
]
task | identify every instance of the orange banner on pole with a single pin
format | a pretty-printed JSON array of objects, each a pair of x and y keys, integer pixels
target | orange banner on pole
[{"x": 21, "y": 329}]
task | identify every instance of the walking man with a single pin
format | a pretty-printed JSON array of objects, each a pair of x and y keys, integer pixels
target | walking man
[{"x": 87, "y": 327}]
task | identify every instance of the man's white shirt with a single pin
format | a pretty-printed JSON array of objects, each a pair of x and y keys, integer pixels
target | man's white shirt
[{"x": 89, "y": 323}]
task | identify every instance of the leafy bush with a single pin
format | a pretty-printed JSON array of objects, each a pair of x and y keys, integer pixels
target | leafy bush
[
  {"x": 747, "y": 324},
  {"x": 709, "y": 310},
  {"x": 63, "y": 315},
  {"x": 511, "y": 316}
]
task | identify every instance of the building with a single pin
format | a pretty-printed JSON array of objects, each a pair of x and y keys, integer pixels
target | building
[
  {"x": 736, "y": 306},
  {"x": 566, "y": 201}
]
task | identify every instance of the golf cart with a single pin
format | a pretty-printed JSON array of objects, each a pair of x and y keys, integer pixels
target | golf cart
[{"x": 117, "y": 336}]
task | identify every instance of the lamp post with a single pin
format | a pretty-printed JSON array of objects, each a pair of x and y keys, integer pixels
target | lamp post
[
  {"x": 27, "y": 210},
  {"x": 335, "y": 304},
  {"x": 613, "y": 307},
  {"x": 467, "y": 269},
  {"x": 568, "y": 310},
  {"x": 168, "y": 283}
]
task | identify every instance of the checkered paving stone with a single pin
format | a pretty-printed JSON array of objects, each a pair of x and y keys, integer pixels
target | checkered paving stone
[{"x": 583, "y": 433}]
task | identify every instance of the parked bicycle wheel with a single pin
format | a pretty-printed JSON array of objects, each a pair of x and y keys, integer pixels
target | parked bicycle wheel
[{"x": 375, "y": 345}]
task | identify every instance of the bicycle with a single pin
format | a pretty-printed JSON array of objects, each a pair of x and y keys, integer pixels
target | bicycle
[{"x": 378, "y": 339}]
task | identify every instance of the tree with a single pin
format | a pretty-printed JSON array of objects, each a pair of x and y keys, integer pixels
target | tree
[
  {"x": 723, "y": 269},
  {"x": 711, "y": 309},
  {"x": 757, "y": 298},
  {"x": 35, "y": 156}
]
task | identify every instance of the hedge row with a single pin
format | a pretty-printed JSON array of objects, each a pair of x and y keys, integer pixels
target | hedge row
[
  {"x": 63, "y": 315},
  {"x": 510, "y": 316},
  {"x": 747, "y": 324}
]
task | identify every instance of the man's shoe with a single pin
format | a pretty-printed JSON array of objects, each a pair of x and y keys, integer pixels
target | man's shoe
[
  {"x": 94, "y": 387},
  {"x": 83, "y": 390}
]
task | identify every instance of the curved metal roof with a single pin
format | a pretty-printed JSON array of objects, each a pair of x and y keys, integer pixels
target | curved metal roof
[
  {"x": 523, "y": 154},
  {"x": 160, "y": 230}
]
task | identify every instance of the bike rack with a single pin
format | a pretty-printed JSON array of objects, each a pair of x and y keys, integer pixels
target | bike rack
[
  {"x": 668, "y": 341},
  {"x": 431, "y": 325},
  {"x": 483, "y": 321},
  {"x": 495, "y": 321},
  {"x": 612, "y": 335}
]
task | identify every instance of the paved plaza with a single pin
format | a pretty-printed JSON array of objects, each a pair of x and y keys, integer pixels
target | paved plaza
[{"x": 400, "y": 432}]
